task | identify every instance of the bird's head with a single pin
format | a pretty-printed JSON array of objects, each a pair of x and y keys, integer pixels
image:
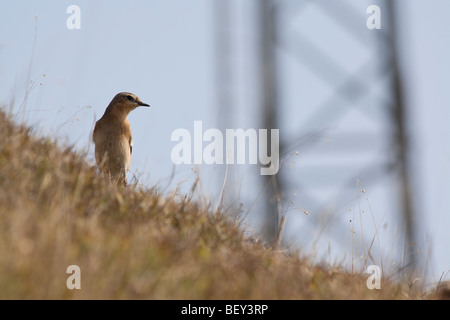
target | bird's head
[
  {"x": 125, "y": 102},
  {"x": 129, "y": 101}
]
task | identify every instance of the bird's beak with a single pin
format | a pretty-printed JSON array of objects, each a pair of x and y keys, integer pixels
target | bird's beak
[{"x": 143, "y": 104}]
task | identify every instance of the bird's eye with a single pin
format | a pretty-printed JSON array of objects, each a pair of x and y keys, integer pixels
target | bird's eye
[{"x": 130, "y": 98}]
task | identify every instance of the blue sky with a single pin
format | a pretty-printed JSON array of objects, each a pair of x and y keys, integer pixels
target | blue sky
[{"x": 163, "y": 51}]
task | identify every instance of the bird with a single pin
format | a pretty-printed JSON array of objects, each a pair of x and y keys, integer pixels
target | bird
[{"x": 112, "y": 137}]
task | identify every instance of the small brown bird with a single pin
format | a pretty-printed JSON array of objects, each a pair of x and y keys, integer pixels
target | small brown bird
[{"x": 112, "y": 137}]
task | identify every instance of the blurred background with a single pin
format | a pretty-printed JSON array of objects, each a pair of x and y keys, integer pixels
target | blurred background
[{"x": 362, "y": 113}]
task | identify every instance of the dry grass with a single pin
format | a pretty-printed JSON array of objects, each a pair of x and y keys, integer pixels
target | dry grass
[{"x": 56, "y": 211}]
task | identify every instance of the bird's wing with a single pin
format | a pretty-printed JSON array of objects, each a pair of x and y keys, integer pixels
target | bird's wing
[{"x": 131, "y": 145}]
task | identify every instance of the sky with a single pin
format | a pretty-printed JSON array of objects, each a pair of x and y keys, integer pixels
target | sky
[{"x": 60, "y": 81}]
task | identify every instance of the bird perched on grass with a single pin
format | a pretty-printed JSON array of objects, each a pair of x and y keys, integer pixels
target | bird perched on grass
[{"x": 112, "y": 137}]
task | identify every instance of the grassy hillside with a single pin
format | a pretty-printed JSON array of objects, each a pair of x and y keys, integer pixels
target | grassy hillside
[{"x": 56, "y": 211}]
